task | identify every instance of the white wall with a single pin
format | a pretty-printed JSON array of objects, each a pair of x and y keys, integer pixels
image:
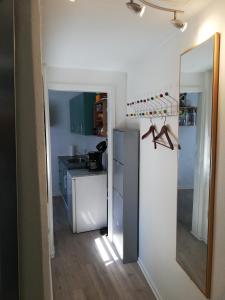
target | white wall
[
  {"x": 117, "y": 81},
  {"x": 61, "y": 136},
  {"x": 159, "y": 71}
]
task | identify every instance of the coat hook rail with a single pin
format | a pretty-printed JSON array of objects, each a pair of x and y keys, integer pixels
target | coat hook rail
[{"x": 153, "y": 107}]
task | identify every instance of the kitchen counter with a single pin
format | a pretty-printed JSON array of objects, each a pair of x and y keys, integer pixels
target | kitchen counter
[
  {"x": 84, "y": 173},
  {"x": 72, "y": 165}
]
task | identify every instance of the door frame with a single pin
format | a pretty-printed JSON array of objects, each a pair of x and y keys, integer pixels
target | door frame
[{"x": 77, "y": 87}]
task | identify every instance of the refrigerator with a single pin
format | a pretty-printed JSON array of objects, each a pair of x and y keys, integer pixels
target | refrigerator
[
  {"x": 87, "y": 200},
  {"x": 8, "y": 191}
]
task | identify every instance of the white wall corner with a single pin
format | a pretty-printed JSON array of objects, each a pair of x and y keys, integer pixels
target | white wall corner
[{"x": 149, "y": 280}]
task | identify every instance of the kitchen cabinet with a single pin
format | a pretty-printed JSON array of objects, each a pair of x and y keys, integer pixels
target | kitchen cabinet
[
  {"x": 125, "y": 193},
  {"x": 81, "y": 114},
  {"x": 87, "y": 200}
]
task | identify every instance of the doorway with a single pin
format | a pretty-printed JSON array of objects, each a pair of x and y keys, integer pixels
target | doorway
[{"x": 76, "y": 88}]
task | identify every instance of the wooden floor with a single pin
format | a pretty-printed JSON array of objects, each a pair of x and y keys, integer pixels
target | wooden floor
[
  {"x": 192, "y": 255},
  {"x": 86, "y": 267}
]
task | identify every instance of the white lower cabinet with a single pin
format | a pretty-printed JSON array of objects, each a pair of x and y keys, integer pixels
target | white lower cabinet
[{"x": 87, "y": 201}]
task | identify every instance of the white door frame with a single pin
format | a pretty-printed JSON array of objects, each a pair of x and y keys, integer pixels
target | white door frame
[
  {"x": 76, "y": 87},
  {"x": 49, "y": 167}
]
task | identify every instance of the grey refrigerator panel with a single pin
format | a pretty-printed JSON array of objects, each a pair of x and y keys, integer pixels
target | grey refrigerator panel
[
  {"x": 118, "y": 146},
  {"x": 8, "y": 193},
  {"x": 126, "y": 193},
  {"x": 118, "y": 173}
]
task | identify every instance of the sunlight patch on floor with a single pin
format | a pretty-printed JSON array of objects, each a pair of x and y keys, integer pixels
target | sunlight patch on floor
[{"x": 106, "y": 251}]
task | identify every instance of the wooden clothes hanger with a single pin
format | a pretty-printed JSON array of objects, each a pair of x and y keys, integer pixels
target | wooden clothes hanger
[
  {"x": 164, "y": 131},
  {"x": 152, "y": 130}
]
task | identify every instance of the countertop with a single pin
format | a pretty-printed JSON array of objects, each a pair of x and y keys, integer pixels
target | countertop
[
  {"x": 71, "y": 165},
  {"x": 84, "y": 173}
]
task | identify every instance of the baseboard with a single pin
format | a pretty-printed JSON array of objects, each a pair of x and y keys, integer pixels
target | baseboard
[{"x": 149, "y": 280}]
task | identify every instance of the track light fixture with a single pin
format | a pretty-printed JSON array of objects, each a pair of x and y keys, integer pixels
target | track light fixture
[
  {"x": 182, "y": 26},
  {"x": 140, "y": 9},
  {"x": 136, "y": 8}
]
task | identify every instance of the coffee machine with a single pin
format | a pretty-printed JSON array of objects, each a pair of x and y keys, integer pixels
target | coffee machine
[{"x": 95, "y": 157}]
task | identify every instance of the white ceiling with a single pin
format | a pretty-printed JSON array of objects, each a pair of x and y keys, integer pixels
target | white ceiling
[{"x": 104, "y": 34}]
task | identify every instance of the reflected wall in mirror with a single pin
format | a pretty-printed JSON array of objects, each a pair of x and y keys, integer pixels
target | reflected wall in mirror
[{"x": 196, "y": 174}]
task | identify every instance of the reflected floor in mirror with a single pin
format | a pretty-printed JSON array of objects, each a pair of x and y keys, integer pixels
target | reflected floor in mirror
[
  {"x": 185, "y": 207},
  {"x": 191, "y": 252},
  {"x": 87, "y": 266},
  {"x": 192, "y": 255}
]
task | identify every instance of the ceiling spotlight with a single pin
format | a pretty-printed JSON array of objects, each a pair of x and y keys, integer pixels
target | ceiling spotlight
[
  {"x": 140, "y": 10},
  {"x": 141, "y": 14},
  {"x": 135, "y": 7},
  {"x": 182, "y": 26}
]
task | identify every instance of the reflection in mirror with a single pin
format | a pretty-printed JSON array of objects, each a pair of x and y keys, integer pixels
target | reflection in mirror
[{"x": 195, "y": 174}]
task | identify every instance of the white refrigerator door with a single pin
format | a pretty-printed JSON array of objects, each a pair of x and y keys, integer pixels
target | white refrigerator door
[{"x": 90, "y": 202}]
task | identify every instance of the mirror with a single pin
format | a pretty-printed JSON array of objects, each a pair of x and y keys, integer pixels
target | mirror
[{"x": 199, "y": 74}]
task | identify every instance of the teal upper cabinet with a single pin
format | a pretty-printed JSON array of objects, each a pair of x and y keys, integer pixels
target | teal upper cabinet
[{"x": 81, "y": 114}]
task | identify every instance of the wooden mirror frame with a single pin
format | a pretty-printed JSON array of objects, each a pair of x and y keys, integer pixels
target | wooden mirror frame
[{"x": 215, "y": 94}]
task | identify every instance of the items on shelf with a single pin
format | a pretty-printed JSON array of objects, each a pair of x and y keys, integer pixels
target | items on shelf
[
  {"x": 100, "y": 115},
  {"x": 188, "y": 113},
  {"x": 157, "y": 106},
  {"x": 100, "y": 97}
]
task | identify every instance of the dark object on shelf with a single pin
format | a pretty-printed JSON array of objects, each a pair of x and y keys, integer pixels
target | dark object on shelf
[
  {"x": 183, "y": 99},
  {"x": 95, "y": 157},
  {"x": 101, "y": 147}
]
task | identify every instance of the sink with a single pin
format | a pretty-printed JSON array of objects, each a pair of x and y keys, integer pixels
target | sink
[
  {"x": 76, "y": 160},
  {"x": 79, "y": 160}
]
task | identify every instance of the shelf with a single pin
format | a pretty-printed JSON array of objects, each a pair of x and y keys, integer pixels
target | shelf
[
  {"x": 187, "y": 125},
  {"x": 100, "y": 117},
  {"x": 101, "y": 101},
  {"x": 188, "y": 107}
]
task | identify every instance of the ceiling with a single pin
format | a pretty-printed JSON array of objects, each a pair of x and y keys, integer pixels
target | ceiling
[{"x": 104, "y": 34}]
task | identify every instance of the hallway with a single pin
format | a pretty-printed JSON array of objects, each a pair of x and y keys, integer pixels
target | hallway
[{"x": 87, "y": 267}]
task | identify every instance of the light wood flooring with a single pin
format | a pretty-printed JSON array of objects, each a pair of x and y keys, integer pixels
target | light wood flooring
[
  {"x": 192, "y": 255},
  {"x": 87, "y": 268}
]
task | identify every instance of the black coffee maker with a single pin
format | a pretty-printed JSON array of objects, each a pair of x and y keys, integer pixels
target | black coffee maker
[{"x": 95, "y": 157}]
